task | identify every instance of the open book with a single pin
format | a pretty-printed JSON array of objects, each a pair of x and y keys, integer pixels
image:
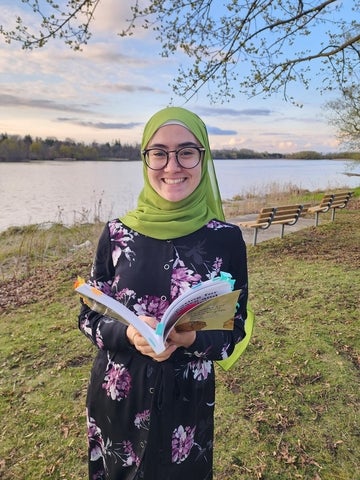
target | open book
[{"x": 210, "y": 305}]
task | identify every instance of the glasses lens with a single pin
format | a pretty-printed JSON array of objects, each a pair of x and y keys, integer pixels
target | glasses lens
[
  {"x": 156, "y": 158},
  {"x": 188, "y": 157}
]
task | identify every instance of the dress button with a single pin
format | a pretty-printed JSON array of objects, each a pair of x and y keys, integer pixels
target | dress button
[
  {"x": 163, "y": 298},
  {"x": 151, "y": 389},
  {"x": 166, "y": 266}
]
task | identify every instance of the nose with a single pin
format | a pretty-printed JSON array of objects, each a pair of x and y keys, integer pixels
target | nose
[{"x": 172, "y": 162}]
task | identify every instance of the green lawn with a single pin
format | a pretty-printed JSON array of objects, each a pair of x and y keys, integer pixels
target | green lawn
[{"x": 288, "y": 410}]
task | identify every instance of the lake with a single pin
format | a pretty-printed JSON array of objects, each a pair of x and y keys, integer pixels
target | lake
[{"x": 69, "y": 192}]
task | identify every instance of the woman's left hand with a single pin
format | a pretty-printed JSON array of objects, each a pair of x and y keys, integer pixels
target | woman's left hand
[{"x": 181, "y": 339}]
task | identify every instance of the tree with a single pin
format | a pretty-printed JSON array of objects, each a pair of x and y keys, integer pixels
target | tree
[
  {"x": 248, "y": 46},
  {"x": 344, "y": 115}
]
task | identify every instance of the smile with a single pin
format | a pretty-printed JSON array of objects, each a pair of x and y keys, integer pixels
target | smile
[{"x": 173, "y": 181}]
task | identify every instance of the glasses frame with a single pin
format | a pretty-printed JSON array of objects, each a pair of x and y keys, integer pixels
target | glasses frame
[{"x": 201, "y": 151}]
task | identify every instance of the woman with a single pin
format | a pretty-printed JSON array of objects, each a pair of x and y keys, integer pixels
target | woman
[{"x": 151, "y": 416}]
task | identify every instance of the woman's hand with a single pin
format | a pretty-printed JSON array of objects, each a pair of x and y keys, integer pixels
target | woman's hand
[
  {"x": 142, "y": 346},
  {"x": 175, "y": 340},
  {"x": 181, "y": 339}
]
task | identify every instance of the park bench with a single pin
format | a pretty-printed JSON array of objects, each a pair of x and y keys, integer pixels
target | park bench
[
  {"x": 262, "y": 221},
  {"x": 330, "y": 201},
  {"x": 283, "y": 215}
]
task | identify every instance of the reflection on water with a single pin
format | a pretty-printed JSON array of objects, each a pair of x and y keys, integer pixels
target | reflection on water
[{"x": 69, "y": 192}]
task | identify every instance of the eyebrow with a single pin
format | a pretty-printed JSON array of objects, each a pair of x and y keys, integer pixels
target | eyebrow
[{"x": 180, "y": 145}]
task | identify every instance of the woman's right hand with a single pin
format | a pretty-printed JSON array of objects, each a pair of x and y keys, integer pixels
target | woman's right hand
[{"x": 142, "y": 346}]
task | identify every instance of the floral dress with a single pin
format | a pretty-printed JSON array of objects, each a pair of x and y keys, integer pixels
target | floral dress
[{"x": 146, "y": 419}]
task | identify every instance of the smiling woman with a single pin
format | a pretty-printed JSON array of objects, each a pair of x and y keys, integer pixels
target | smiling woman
[{"x": 152, "y": 415}]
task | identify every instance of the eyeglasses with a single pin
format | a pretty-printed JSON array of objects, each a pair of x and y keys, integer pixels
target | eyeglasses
[{"x": 186, "y": 157}]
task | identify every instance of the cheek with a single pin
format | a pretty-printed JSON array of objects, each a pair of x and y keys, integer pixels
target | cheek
[
  {"x": 197, "y": 178},
  {"x": 152, "y": 178}
]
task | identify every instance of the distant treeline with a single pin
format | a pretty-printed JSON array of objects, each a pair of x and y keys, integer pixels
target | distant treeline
[{"x": 14, "y": 148}]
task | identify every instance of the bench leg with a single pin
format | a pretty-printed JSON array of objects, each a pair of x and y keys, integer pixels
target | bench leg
[
  {"x": 333, "y": 214},
  {"x": 316, "y": 219},
  {"x": 255, "y": 236},
  {"x": 282, "y": 231}
]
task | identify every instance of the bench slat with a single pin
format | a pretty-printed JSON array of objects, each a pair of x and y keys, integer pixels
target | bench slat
[{"x": 262, "y": 220}]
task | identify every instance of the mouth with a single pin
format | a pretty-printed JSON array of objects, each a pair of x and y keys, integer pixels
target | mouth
[{"x": 173, "y": 181}]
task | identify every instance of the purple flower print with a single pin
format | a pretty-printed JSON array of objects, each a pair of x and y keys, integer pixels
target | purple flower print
[
  {"x": 120, "y": 238},
  {"x": 95, "y": 439},
  {"x": 182, "y": 443},
  {"x": 224, "y": 350},
  {"x": 104, "y": 287},
  {"x": 99, "y": 341},
  {"x": 215, "y": 225},
  {"x": 100, "y": 449},
  {"x": 117, "y": 381},
  {"x": 142, "y": 420},
  {"x": 119, "y": 234},
  {"x": 85, "y": 326},
  {"x": 200, "y": 369},
  {"x": 124, "y": 295},
  {"x": 151, "y": 306},
  {"x": 127, "y": 454},
  {"x": 181, "y": 279},
  {"x": 217, "y": 265}
]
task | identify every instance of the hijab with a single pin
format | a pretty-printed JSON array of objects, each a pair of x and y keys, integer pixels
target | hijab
[{"x": 159, "y": 218}]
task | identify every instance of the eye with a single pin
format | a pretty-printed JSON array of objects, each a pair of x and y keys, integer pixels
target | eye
[
  {"x": 158, "y": 153},
  {"x": 187, "y": 152}
]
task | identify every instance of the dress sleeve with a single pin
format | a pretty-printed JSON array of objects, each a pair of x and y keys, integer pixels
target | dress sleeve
[
  {"x": 219, "y": 344},
  {"x": 104, "y": 332}
]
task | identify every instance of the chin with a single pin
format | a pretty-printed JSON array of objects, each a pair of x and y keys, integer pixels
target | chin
[{"x": 174, "y": 198}]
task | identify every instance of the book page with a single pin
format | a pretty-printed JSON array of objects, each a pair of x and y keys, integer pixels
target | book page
[
  {"x": 216, "y": 313},
  {"x": 195, "y": 295}
]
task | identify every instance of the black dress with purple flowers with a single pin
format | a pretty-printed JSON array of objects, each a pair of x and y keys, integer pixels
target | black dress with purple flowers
[{"x": 154, "y": 420}]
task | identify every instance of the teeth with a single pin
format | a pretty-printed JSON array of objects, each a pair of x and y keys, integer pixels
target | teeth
[{"x": 173, "y": 181}]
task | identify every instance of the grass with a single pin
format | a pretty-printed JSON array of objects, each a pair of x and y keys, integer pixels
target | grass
[{"x": 288, "y": 409}]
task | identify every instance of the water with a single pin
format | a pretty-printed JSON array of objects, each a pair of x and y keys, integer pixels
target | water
[{"x": 69, "y": 192}]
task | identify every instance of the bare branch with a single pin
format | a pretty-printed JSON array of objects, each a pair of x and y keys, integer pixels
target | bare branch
[{"x": 256, "y": 47}]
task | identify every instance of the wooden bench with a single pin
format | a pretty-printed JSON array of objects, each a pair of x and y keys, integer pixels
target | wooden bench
[
  {"x": 262, "y": 221},
  {"x": 283, "y": 215},
  {"x": 330, "y": 201},
  {"x": 286, "y": 215}
]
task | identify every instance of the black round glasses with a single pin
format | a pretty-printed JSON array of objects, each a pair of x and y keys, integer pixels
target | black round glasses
[{"x": 186, "y": 157}]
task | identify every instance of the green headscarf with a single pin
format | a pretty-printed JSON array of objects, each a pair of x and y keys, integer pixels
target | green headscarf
[{"x": 159, "y": 218}]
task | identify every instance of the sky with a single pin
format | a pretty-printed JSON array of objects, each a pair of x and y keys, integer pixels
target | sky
[{"x": 108, "y": 91}]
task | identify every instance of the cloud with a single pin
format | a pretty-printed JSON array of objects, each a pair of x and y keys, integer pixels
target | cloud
[
  {"x": 219, "y": 131},
  {"x": 111, "y": 16},
  {"x": 264, "y": 112},
  {"x": 100, "y": 125},
  {"x": 16, "y": 101},
  {"x": 123, "y": 87}
]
